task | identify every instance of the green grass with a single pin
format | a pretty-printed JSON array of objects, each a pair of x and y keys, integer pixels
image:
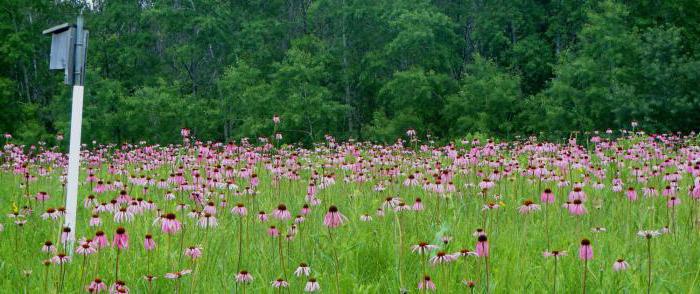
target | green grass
[{"x": 368, "y": 252}]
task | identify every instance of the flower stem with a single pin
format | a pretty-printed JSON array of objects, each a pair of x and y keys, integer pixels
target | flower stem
[
  {"x": 335, "y": 256},
  {"x": 585, "y": 272},
  {"x": 649, "y": 272}
]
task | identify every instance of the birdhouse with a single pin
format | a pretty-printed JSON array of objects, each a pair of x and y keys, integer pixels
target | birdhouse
[{"x": 68, "y": 52}]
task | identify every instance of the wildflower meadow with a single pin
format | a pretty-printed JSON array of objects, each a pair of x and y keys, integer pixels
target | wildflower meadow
[{"x": 613, "y": 212}]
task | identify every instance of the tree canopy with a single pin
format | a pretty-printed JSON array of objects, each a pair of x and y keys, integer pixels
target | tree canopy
[{"x": 367, "y": 70}]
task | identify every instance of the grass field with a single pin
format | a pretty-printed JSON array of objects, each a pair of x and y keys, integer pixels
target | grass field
[{"x": 371, "y": 244}]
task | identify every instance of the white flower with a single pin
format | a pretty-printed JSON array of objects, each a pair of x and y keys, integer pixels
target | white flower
[{"x": 648, "y": 234}]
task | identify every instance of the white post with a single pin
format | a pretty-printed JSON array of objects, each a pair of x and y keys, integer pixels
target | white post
[{"x": 76, "y": 122}]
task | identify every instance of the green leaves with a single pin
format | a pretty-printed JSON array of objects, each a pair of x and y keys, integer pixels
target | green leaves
[
  {"x": 487, "y": 100},
  {"x": 366, "y": 70}
]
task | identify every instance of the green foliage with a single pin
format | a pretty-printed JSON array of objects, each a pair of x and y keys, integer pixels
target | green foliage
[
  {"x": 487, "y": 100},
  {"x": 360, "y": 69}
]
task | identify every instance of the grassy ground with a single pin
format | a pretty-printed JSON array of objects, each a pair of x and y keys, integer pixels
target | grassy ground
[{"x": 368, "y": 256}]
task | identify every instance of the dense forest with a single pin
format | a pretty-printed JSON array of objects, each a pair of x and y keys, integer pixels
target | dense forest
[{"x": 367, "y": 70}]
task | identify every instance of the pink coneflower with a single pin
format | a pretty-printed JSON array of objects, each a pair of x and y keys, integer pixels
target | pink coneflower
[
  {"x": 585, "y": 252},
  {"x": 418, "y": 205},
  {"x": 490, "y": 206},
  {"x": 185, "y": 132},
  {"x": 312, "y": 286},
  {"x": 426, "y": 284},
  {"x": 118, "y": 287},
  {"x": 528, "y": 207},
  {"x": 441, "y": 258},
  {"x": 178, "y": 274},
  {"x": 598, "y": 230},
  {"x": 65, "y": 236},
  {"x": 239, "y": 209},
  {"x": 486, "y": 184},
  {"x": 95, "y": 221},
  {"x": 60, "y": 258},
  {"x": 281, "y": 212},
  {"x": 100, "y": 239},
  {"x": 42, "y": 196},
  {"x": 631, "y": 194},
  {"x": 333, "y": 218},
  {"x": 210, "y": 208},
  {"x": 123, "y": 215},
  {"x": 193, "y": 252},
  {"x": 411, "y": 133},
  {"x": 207, "y": 220},
  {"x": 169, "y": 224},
  {"x": 305, "y": 210},
  {"x": 273, "y": 232},
  {"x": 123, "y": 197},
  {"x": 244, "y": 277},
  {"x": 576, "y": 207},
  {"x": 149, "y": 278},
  {"x": 479, "y": 232},
  {"x": 48, "y": 247},
  {"x": 365, "y": 218},
  {"x": 51, "y": 213},
  {"x": 410, "y": 181},
  {"x": 121, "y": 239},
  {"x": 465, "y": 253},
  {"x": 279, "y": 283},
  {"x": 577, "y": 193},
  {"x": 620, "y": 265},
  {"x": 391, "y": 202},
  {"x": 547, "y": 196},
  {"x": 97, "y": 286},
  {"x": 482, "y": 246},
  {"x": 402, "y": 207},
  {"x": 673, "y": 201},
  {"x": 554, "y": 253},
  {"x": 262, "y": 216},
  {"x": 302, "y": 270},
  {"x": 380, "y": 212},
  {"x": 648, "y": 234},
  {"x": 423, "y": 248},
  {"x": 85, "y": 249},
  {"x": 148, "y": 243}
]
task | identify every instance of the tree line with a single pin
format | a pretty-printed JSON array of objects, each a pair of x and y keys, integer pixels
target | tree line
[{"x": 367, "y": 70}]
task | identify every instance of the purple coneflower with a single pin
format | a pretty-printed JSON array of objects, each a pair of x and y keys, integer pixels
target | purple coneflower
[
  {"x": 426, "y": 284},
  {"x": 178, "y": 274},
  {"x": 441, "y": 258},
  {"x": 423, "y": 248},
  {"x": 547, "y": 196},
  {"x": 302, "y": 270},
  {"x": 170, "y": 224},
  {"x": 333, "y": 218},
  {"x": 239, "y": 210},
  {"x": 193, "y": 252},
  {"x": 312, "y": 286},
  {"x": 585, "y": 253},
  {"x": 528, "y": 207},
  {"x": 482, "y": 246},
  {"x": 121, "y": 239},
  {"x": 279, "y": 283},
  {"x": 620, "y": 265},
  {"x": 281, "y": 212},
  {"x": 244, "y": 277}
]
